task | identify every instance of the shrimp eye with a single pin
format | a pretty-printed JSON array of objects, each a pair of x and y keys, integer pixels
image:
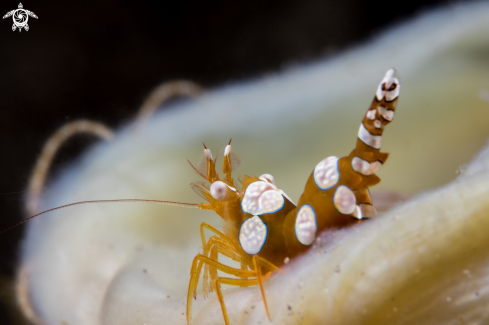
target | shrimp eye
[
  {"x": 219, "y": 190},
  {"x": 392, "y": 87},
  {"x": 268, "y": 178}
]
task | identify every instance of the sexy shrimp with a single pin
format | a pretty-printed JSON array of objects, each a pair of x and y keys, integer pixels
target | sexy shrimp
[{"x": 263, "y": 227}]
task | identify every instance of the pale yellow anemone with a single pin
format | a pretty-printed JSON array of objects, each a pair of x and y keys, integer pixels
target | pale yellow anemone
[{"x": 424, "y": 262}]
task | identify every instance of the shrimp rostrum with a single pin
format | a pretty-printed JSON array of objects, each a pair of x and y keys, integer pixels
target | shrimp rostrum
[{"x": 263, "y": 227}]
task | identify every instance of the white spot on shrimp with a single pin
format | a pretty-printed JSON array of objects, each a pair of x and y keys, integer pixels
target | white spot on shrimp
[
  {"x": 374, "y": 141},
  {"x": 252, "y": 235},
  {"x": 371, "y": 114},
  {"x": 262, "y": 197},
  {"x": 326, "y": 173},
  {"x": 364, "y": 167},
  {"x": 270, "y": 201},
  {"x": 387, "y": 114},
  {"x": 368, "y": 210},
  {"x": 358, "y": 213},
  {"x": 267, "y": 177},
  {"x": 306, "y": 225},
  {"x": 208, "y": 154},
  {"x": 389, "y": 87},
  {"x": 344, "y": 200},
  {"x": 227, "y": 151}
]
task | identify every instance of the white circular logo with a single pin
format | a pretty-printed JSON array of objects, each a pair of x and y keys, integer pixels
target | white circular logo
[{"x": 20, "y": 17}]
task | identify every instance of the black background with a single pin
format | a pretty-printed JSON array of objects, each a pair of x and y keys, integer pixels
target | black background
[{"x": 99, "y": 60}]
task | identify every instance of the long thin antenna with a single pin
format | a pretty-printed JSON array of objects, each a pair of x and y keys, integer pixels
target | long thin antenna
[
  {"x": 196, "y": 170},
  {"x": 178, "y": 204}
]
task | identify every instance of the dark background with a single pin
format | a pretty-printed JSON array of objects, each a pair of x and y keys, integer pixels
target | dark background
[{"x": 99, "y": 60}]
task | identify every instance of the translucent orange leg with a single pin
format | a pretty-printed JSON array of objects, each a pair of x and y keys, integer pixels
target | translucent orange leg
[
  {"x": 235, "y": 282},
  {"x": 258, "y": 262},
  {"x": 214, "y": 245},
  {"x": 226, "y": 247},
  {"x": 206, "y": 248},
  {"x": 224, "y": 237},
  {"x": 217, "y": 246},
  {"x": 225, "y": 240},
  {"x": 221, "y": 267},
  {"x": 231, "y": 252},
  {"x": 214, "y": 230}
]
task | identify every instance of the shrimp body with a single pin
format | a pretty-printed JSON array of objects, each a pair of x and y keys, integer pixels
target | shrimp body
[{"x": 264, "y": 228}]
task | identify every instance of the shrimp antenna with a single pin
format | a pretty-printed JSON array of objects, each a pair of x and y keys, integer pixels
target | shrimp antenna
[
  {"x": 196, "y": 170},
  {"x": 178, "y": 204}
]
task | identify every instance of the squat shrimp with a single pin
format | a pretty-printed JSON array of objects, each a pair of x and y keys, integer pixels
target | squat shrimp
[{"x": 263, "y": 227}]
